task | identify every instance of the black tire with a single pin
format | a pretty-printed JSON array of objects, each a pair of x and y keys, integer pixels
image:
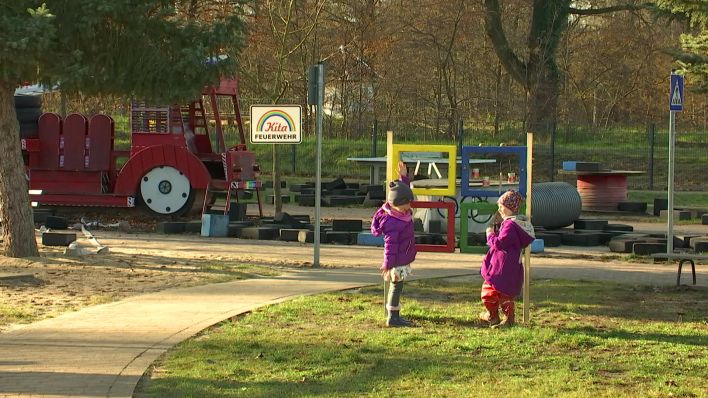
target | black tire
[
  {"x": 26, "y": 115},
  {"x": 28, "y": 101},
  {"x": 633, "y": 207},
  {"x": 28, "y": 130}
]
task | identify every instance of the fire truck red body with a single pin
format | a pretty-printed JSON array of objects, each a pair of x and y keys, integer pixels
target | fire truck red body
[{"x": 176, "y": 161}]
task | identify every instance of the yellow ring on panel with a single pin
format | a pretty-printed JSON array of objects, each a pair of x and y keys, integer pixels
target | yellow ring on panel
[{"x": 451, "y": 150}]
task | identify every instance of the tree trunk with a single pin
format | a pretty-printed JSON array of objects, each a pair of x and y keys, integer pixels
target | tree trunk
[
  {"x": 497, "y": 101},
  {"x": 539, "y": 74},
  {"x": 543, "y": 101},
  {"x": 15, "y": 211}
]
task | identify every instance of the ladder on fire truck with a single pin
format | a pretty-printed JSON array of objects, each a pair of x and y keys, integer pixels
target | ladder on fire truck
[
  {"x": 239, "y": 164},
  {"x": 240, "y": 173}
]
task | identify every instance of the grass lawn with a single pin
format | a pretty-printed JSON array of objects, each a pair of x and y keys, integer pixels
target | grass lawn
[
  {"x": 585, "y": 340},
  {"x": 681, "y": 199}
]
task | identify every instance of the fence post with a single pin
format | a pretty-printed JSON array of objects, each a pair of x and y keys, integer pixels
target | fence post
[
  {"x": 460, "y": 135},
  {"x": 650, "y": 132},
  {"x": 552, "y": 149},
  {"x": 374, "y": 138},
  {"x": 293, "y": 156}
]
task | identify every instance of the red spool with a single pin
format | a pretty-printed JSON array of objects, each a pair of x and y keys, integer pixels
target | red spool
[{"x": 602, "y": 191}]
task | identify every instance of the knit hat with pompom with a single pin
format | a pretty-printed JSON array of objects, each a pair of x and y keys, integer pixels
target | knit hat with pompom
[{"x": 399, "y": 193}]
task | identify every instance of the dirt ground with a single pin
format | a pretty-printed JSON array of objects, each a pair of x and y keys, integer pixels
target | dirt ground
[{"x": 45, "y": 286}]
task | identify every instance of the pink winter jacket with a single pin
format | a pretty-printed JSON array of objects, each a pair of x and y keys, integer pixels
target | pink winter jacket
[
  {"x": 501, "y": 266},
  {"x": 399, "y": 235}
]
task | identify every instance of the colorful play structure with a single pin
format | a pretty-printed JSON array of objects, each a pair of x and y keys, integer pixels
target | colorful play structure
[
  {"x": 177, "y": 161},
  {"x": 468, "y": 187}
]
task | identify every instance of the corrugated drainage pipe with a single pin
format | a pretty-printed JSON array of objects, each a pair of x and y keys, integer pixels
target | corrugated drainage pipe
[{"x": 554, "y": 204}]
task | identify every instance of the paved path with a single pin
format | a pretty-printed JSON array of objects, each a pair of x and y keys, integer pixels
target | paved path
[{"x": 102, "y": 351}]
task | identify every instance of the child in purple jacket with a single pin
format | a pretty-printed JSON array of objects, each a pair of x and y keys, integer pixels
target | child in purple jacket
[
  {"x": 501, "y": 268},
  {"x": 394, "y": 220}
]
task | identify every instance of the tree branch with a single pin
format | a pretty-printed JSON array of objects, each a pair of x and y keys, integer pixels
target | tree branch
[
  {"x": 607, "y": 10},
  {"x": 495, "y": 32}
]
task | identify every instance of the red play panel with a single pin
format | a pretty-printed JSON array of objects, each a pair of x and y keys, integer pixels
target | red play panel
[
  {"x": 74, "y": 139},
  {"x": 100, "y": 142},
  {"x": 450, "y": 206},
  {"x": 49, "y": 125}
]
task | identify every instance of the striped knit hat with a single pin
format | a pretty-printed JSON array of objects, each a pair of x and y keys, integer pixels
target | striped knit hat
[{"x": 511, "y": 200}]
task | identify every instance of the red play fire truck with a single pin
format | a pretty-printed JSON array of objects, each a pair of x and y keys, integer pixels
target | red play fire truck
[{"x": 176, "y": 161}]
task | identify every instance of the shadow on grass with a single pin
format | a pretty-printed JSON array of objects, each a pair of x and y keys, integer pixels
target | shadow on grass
[
  {"x": 581, "y": 298},
  {"x": 640, "y": 303},
  {"x": 695, "y": 340},
  {"x": 449, "y": 321},
  {"x": 293, "y": 376}
]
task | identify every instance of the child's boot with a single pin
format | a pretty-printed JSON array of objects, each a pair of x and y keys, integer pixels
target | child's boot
[
  {"x": 395, "y": 320},
  {"x": 491, "y": 315},
  {"x": 508, "y": 309}
]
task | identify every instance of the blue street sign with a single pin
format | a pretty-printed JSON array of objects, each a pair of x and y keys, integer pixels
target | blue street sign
[{"x": 676, "y": 93}]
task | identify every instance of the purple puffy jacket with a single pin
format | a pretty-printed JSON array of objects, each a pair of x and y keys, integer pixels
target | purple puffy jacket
[
  {"x": 501, "y": 266},
  {"x": 399, "y": 237}
]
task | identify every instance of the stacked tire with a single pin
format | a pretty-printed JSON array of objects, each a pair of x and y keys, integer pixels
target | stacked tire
[{"x": 28, "y": 109}]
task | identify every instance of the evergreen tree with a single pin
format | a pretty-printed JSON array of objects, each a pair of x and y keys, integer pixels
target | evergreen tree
[
  {"x": 156, "y": 50},
  {"x": 694, "y": 57}
]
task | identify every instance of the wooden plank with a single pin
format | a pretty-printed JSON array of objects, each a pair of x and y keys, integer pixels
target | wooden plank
[{"x": 527, "y": 252}]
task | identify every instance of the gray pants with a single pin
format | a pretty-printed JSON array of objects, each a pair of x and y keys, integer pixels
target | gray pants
[{"x": 393, "y": 302}]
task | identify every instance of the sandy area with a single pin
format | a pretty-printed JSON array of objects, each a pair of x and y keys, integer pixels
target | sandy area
[
  {"x": 35, "y": 288},
  {"x": 141, "y": 262}
]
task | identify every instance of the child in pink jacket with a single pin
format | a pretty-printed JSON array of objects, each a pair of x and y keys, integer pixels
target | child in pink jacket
[
  {"x": 394, "y": 220},
  {"x": 501, "y": 268}
]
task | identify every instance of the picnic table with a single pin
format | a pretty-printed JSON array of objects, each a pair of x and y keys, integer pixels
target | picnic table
[{"x": 432, "y": 160}]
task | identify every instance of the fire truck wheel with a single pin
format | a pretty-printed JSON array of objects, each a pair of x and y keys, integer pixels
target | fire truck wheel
[{"x": 165, "y": 190}]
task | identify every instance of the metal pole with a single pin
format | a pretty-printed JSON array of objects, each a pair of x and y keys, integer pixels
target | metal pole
[
  {"x": 318, "y": 181},
  {"x": 670, "y": 210},
  {"x": 293, "y": 156},
  {"x": 551, "y": 168},
  {"x": 652, "y": 128},
  {"x": 372, "y": 169},
  {"x": 460, "y": 135}
]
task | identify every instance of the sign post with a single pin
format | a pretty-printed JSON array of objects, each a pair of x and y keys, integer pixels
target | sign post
[
  {"x": 675, "y": 105},
  {"x": 315, "y": 96}
]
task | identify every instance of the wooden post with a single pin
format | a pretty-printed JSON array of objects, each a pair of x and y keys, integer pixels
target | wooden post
[
  {"x": 527, "y": 252},
  {"x": 389, "y": 160},
  {"x": 389, "y": 172}
]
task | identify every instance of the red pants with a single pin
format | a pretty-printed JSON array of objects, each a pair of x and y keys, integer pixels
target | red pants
[{"x": 493, "y": 298}]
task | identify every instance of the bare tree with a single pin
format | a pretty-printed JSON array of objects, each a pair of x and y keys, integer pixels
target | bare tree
[
  {"x": 537, "y": 70},
  {"x": 278, "y": 38}
]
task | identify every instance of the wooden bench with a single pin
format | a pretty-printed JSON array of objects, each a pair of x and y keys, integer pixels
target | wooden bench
[{"x": 686, "y": 257}]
